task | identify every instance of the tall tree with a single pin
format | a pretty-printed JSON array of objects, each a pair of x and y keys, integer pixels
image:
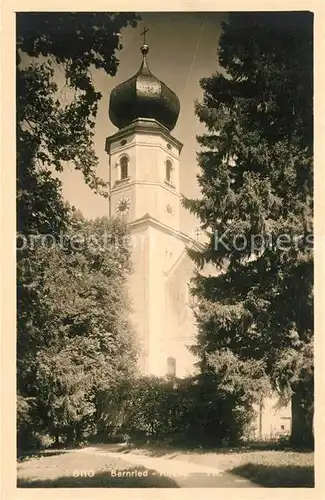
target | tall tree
[
  {"x": 256, "y": 182},
  {"x": 51, "y": 131},
  {"x": 51, "y": 134},
  {"x": 77, "y": 341}
]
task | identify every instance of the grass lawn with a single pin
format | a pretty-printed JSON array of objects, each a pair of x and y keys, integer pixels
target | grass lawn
[{"x": 268, "y": 468}]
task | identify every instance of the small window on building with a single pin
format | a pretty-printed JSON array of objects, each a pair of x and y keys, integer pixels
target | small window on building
[
  {"x": 123, "y": 142},
  {"x": 171, "y": 367},
  {"x": 124, "y": 162},
  {"x": 169, "y": 168},
  {"x": 282, "y": 427}
]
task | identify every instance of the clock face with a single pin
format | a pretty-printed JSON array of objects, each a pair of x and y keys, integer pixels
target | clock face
[{"x": 123, "y": 206}]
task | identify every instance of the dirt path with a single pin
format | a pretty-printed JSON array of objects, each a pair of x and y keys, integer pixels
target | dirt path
[{"x": 103, "y": 467}]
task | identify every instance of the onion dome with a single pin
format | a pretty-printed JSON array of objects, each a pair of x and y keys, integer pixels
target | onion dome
[{"x": 143, "y": 96}]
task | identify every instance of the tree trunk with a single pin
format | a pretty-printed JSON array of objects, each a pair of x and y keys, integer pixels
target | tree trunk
[
  {"x": 302, "y": 412},
  {"x": 57, "y": 437},
  {"x": 70, "y": 436}
]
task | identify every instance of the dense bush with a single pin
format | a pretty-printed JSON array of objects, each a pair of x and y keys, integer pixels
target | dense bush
[{"x": 188, "y": 411}]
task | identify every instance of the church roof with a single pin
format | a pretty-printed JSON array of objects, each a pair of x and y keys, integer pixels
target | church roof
[
  {"x": 143, "y": 96},
  {"x": 148, "y": 219}
]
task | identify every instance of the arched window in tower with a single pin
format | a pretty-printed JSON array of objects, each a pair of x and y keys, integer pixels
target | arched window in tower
[
  {"x": 169, "y": 168},
  {"x": 124, "y": 164},
  {"x": 171, "y": 367}
]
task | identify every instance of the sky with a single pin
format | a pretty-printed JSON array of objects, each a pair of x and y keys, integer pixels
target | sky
[{"x": 182, "y": 50}]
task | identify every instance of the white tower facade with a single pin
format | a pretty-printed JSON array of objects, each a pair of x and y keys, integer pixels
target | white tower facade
[
  {"x": 144, "y": 170},
  {"x": 144, "y": 177}
]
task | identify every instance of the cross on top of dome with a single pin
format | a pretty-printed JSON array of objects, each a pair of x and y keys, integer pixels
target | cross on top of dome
[
  {"x": 144, "y": 34},
  {"x": 143, "y": 96}
]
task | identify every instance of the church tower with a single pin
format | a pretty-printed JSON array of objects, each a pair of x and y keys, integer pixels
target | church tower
[{"x": 144, "y": 164}]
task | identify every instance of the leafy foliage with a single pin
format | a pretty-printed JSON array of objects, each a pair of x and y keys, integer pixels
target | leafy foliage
[
  {"x": 78, "y": 341},
  {"x": 175, "y": 412},
  {"x": 256, "y": 180},
  {"x": 52, "y": 131},
  {"x": 72, "y": 334}
]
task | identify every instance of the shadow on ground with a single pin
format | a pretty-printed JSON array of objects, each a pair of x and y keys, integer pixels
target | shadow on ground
[
  {"x": 40, "y": 454},
  {"x": 277, "y": 476},
  {"x": 131, "y": 479},
  {"x": 156, "y": 450}
]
